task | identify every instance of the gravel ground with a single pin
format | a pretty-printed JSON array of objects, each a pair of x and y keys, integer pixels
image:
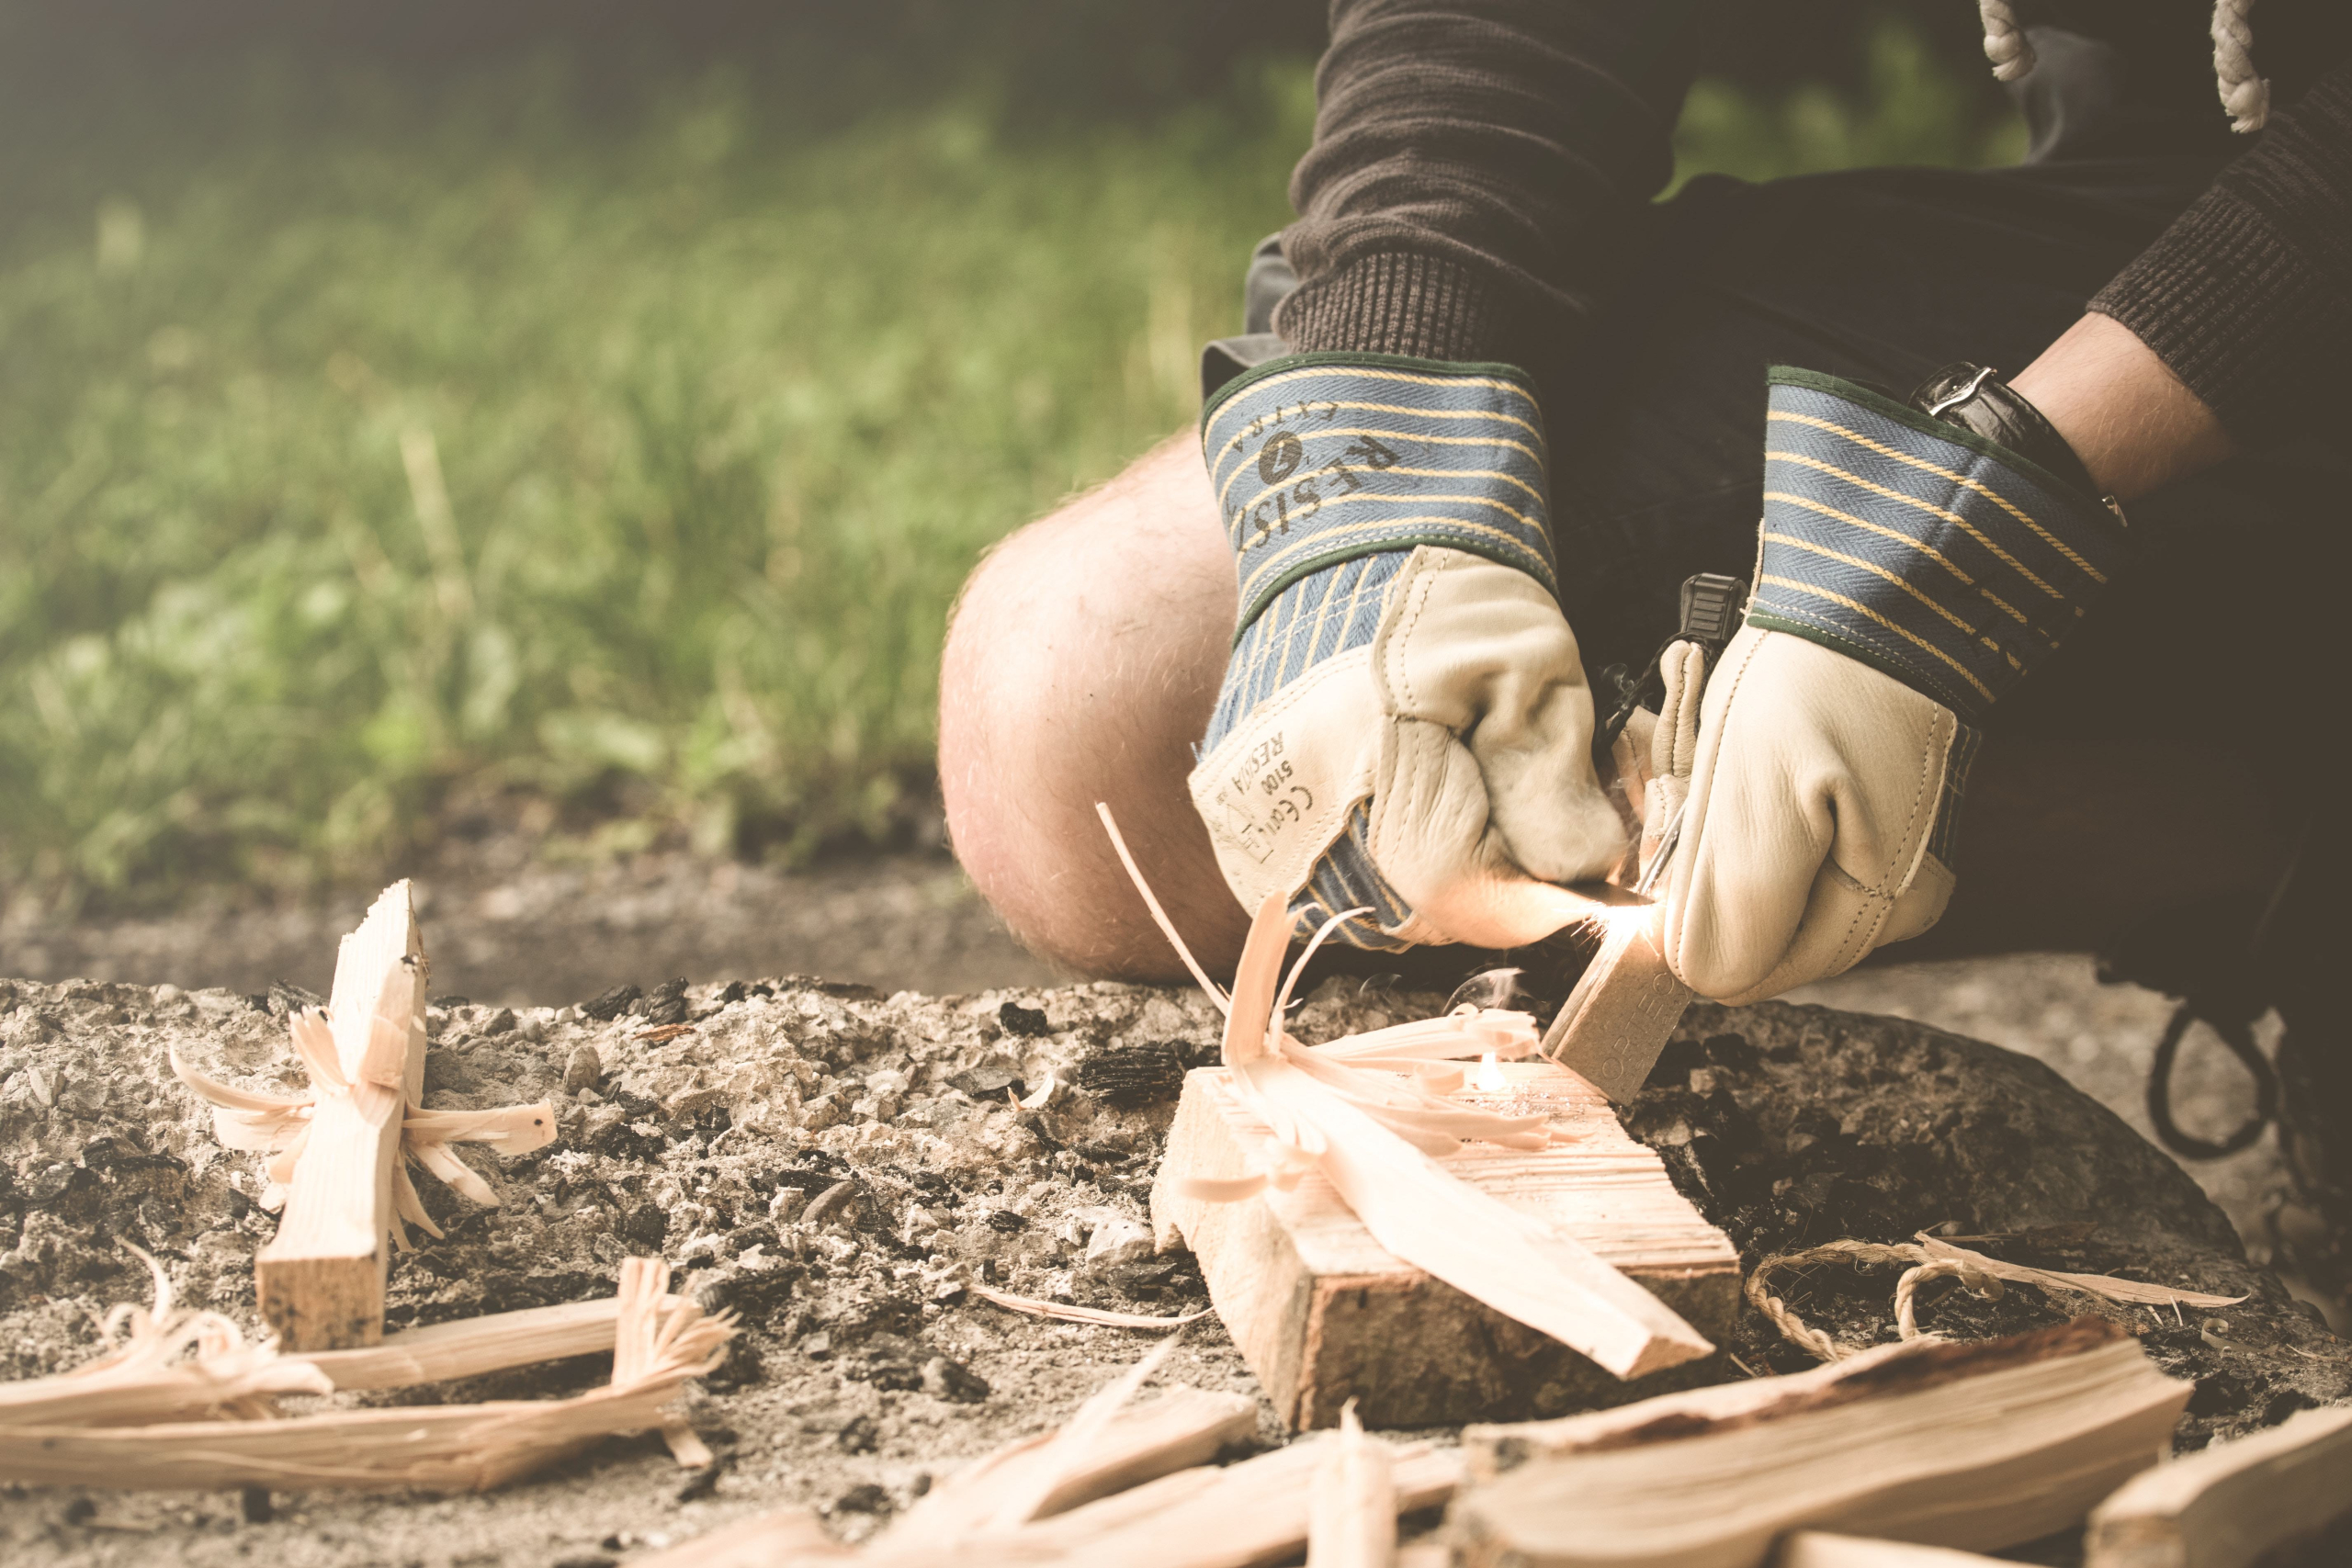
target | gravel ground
[
  {"x": 840, "y": 1166},
  {"x": 510, "y": 930}
]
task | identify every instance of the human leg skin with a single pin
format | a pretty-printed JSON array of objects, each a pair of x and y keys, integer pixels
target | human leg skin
[{"x": 1082, "y": 660}]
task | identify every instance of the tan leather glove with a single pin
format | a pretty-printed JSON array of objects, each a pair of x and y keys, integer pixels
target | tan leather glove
[
  {"x": 1405, "y": 725},
  {"x": 1911, "y": 571},
  {"x": 1806, "y": 841}
]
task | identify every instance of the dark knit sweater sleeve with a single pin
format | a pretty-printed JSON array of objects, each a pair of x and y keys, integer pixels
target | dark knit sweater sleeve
[
  {"x": 2248, "y": 296},
  {"x": 1475, "y": 168}
]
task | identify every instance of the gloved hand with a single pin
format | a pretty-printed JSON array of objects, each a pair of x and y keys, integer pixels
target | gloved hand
[
  {"x": 1911, "y": 571},
  {"x": 1404, "y": 723}
]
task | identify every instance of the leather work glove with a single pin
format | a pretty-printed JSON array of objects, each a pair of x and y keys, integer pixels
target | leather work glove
[
  {"x": 1912, "y": 569},
  {"x": 1404, "y": 723}
]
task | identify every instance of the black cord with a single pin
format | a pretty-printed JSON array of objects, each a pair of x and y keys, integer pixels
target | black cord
[
  {"x": 2239, "y": 1037},
  {"x": 1629, "y": 699}
]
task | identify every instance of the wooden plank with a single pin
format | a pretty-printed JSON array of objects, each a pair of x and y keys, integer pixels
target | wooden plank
[
  {"x": 2228, "y": 1505},
  {"x": 1323, "y": 1313},
  {"x": 1975, "y": 1446},
  {"x": 1492, "y": 1449},
  {"x": 1514, "y": 1262},
  {"x": 321, "y": 1280},
  {"x": 1623, "y": 1008}
]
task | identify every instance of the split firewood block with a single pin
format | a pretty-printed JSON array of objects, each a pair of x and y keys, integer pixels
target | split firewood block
[
  {"x": 1975, "y": 1447},
  {"x": 2231, "y": 1506},
  {"x": 1323, "y": 1314},
  {"x": 321, "y": 1280}
]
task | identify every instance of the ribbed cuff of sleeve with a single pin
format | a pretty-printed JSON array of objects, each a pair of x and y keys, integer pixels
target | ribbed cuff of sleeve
[
  {"x": 2234, "y": 308},
  {"x": 1423, "y": 306}
]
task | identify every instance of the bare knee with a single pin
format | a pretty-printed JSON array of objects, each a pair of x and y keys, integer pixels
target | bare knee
[{"x": 1081, "y": 665}]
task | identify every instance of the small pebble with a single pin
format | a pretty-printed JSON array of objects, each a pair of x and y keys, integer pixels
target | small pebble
[
  {"x": 1118, "y": 1242},
  {"x": 833, "y": 1202},
  {"x": 787, "y": 1202},
  {"x": 953, "y": 1381},
  {"x": 864, "y": 1498},
  {"x": 585, "y": 1070}
]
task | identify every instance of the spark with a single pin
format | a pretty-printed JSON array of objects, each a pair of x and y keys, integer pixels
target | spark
[{"x": 1490, "y": 1079}]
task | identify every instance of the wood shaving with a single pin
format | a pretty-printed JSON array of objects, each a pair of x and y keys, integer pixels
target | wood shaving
[
  {"x": 1064, "y": 1311},
  {"x": 280, "y": 1126}
]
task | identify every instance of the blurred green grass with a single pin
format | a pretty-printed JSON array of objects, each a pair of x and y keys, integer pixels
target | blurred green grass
[{"x": 454, "y": 450}]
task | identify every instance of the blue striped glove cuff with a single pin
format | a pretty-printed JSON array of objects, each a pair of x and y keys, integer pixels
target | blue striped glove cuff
[
  {"x": 1920, "y": 548},
  {"x": 1365, "y": 750},
  {"x": 1321, "y": 458}
]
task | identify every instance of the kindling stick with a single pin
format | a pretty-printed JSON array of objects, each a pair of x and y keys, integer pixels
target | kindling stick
[
  {"x": 320, "y": 1281},
  {"x": 1624, "y": 1008}
]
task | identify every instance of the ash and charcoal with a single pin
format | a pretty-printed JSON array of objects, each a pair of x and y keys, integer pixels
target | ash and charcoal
[{"x": 839, "y": 1167}]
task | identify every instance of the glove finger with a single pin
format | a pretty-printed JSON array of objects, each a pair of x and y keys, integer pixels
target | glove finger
[
  {"x": 1674, "y": 747},
  {"x": 1754, "y": 837},
  {"x": 1921, "y": 905},
  {"x": 1482, "y": 652},
  {"x": 1434, "y": 836},
  {"x": 1823, "y": 779}
]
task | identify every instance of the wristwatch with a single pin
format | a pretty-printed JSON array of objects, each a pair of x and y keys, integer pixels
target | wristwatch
[{"x": 1974, "y": 398}]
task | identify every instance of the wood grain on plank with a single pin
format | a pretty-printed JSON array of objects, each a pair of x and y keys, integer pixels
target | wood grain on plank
[
  {"x": 2233, "y": 1502},
  {"x": 1322, "y": 1311}
]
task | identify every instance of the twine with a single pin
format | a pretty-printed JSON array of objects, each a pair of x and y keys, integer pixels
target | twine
[
  {"x": 2243, "y": 92},
  {"x": 1863, "y": 1255}
]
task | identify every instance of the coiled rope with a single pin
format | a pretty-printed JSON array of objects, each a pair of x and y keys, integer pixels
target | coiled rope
[
  {"x": 2245, "y": 94},
  {"x": 2004, "y": 42},
  {"x": 1863, "y": 1255}
]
